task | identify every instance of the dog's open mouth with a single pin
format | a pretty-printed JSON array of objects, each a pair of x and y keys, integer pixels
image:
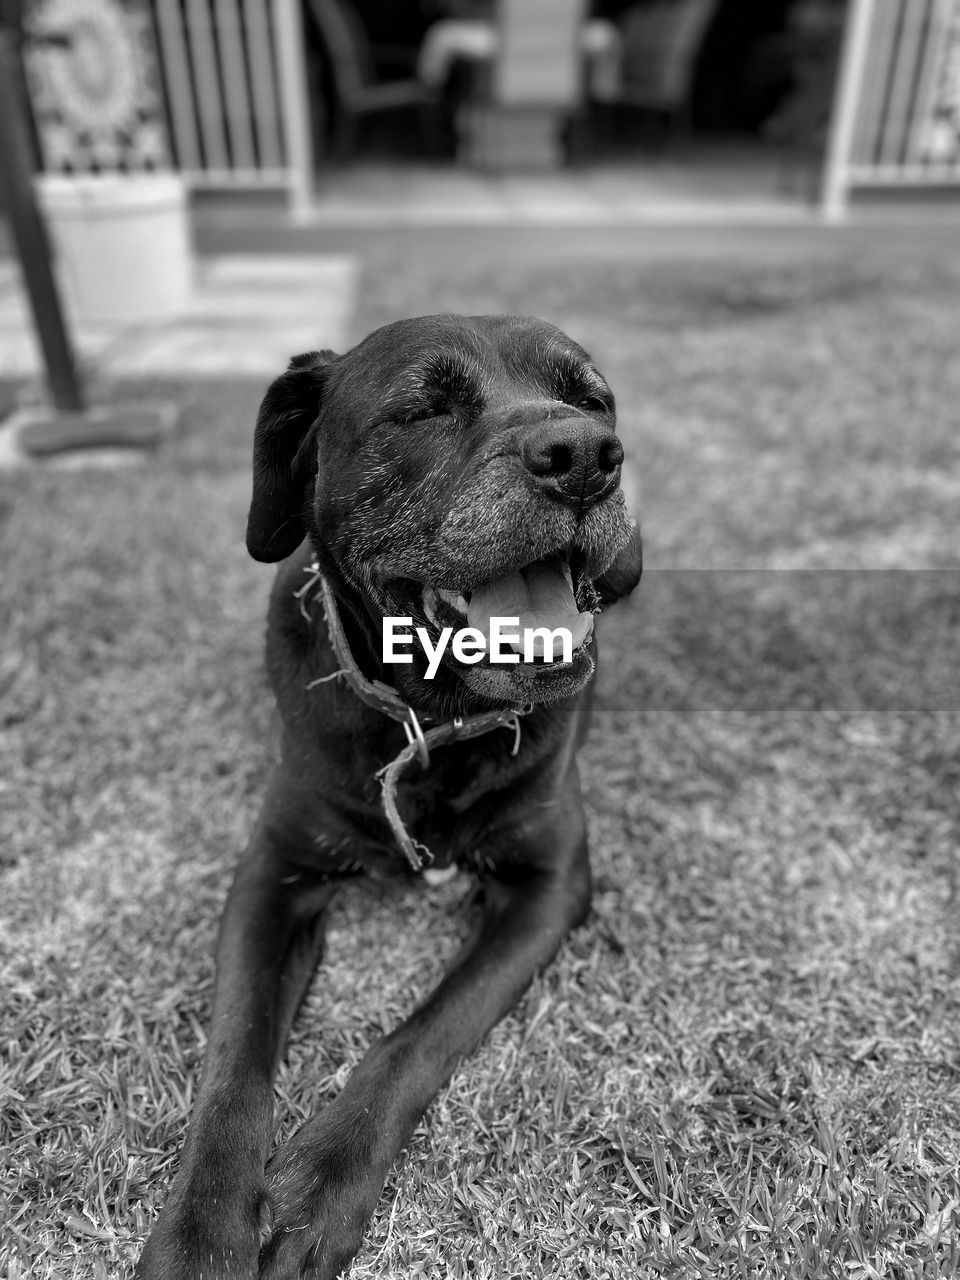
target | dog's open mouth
[
  {"x": 540, "y": 596},
  {"x": 524, "y": 636},
  {"x": 544, "y": 599}
]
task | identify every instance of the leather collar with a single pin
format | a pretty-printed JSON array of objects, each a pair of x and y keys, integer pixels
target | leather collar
[{"x": 381, "y": 697}]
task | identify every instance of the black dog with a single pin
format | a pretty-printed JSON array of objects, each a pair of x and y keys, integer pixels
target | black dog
[{"x": 447, "y": 470}]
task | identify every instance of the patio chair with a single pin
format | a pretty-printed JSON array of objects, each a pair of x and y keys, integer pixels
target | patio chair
[
  {"x": 661, "y": 42},
  {"x": 539, "y": 61},
  {"x": 358, "y": 90},
  {"x": 532, "y": 87}
]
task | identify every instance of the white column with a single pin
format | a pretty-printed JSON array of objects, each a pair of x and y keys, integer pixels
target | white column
[
  {"x": 846, "y": 102},
  {"x": 294, "y": 104}
]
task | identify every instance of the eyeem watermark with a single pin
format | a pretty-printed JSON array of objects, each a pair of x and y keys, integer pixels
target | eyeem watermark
[{"x": 470, "y": 644}]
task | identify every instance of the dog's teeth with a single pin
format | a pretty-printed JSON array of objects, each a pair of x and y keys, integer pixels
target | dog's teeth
[
  {"x": 429, "y": 597},
  {"x": 453, "y": 598},
  {"x": 568, "y": 574}
]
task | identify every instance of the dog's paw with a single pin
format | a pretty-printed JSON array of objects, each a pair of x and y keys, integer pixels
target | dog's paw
[
  {"x": 198, "y": 1240},
  {"x": 323, "y": 1190}
]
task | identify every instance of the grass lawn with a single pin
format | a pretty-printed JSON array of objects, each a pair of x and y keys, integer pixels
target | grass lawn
[{"x": 747, "y": 1062}]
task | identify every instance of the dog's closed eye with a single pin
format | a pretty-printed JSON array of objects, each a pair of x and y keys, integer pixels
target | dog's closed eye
[
  {"x": 442, "y": 388},
  {"x": 581, "y": 387},
  {"x": 593, "y": 403},
  {"x": 439, "y": 408},
  {"x": 405, "y": 414}
]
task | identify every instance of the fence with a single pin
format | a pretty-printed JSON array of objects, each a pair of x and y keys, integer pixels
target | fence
[
  {"x": 234, "y": 82},
  {"x": 236, "y": 92},
  {"x": 897, "y": 116}
]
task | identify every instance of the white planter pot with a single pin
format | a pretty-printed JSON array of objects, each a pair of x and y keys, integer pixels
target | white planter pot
[{"x": 121, "y": 242}]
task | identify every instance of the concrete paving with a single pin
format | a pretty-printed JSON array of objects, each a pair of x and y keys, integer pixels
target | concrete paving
[
  {"x": 247, "y": 314},
  {"x": 720, "y": 187}
]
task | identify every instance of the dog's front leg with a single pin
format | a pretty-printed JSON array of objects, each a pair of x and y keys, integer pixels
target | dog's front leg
[
  {"x": 270, "y": 938},
  {"x": 326, "y": 1180}
]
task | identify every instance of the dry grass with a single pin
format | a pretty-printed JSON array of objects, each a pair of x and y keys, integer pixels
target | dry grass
[{"x": 746, "y": 1063}]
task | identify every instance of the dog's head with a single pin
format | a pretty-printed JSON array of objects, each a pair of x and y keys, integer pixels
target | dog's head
[{"x": 453, "y": 470}]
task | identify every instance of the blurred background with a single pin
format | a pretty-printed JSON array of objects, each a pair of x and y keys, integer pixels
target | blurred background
[
  {"x": 654, "y": 102},
  {"x": 223, "y": 126},
  {"x": 151, "y": 134}
]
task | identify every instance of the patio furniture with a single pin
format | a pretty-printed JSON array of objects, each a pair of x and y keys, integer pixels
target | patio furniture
[
  {"x": 475, "y": 41},
  {"x": 538, "y": 59},
  {"x": 358, "y": 90},
  {"x": 529, "y": 64},
  {"x": 661, "y": 42}
]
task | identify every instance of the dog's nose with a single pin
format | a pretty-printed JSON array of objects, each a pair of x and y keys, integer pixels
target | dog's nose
[{"x": 574, "y": 459}]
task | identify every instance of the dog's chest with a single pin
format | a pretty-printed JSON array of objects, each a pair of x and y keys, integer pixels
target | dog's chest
[{"x": 446, "y": 805}]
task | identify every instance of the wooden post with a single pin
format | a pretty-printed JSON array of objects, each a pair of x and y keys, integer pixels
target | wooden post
[
  {"x": 846, "y": 103},
  {"x": 29, "y": 232}
]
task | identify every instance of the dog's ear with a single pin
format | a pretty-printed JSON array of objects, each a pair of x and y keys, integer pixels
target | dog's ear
[
  {"x": 623, "y": 575},
  {"x": 282, "y": 456}
]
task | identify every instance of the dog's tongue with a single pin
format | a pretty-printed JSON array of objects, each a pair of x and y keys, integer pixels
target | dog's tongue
[{"x": 539, "y": 595}]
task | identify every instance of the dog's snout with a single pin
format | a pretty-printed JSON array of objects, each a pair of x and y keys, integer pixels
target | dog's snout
[{"x": 574, "y": 459}]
